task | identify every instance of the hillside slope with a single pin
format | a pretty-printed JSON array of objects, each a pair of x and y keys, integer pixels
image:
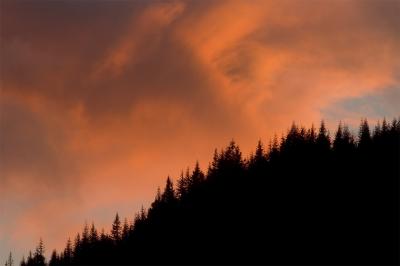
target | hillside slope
[{"x": 306, "y": 199}]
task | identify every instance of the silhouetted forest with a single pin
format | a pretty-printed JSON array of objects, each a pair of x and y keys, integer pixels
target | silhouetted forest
[{"x": 307, "y": 198}]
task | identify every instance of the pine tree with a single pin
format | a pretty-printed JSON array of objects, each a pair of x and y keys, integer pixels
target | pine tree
[
  {"x": 29, "y": 260},
  {"x": 23, "y": 261},
  {"x": 143, "y": 215},
  {"x": 93, "y": 236},
  {"x": 38, "y": 257},
  {"x": 377, "y": 132},
  {"x": 338, "y": 137},
  {"x": 77, "y": 246},
  {"x": 395, "y": 126},
  {"x": 158, "y": 195},
  {"x": 182, "y": 187},
  {"x": 233, "y": 155},
  {"x": 364, "y": 137},
  {"x": 10, "y": 261},
  {"x": 85, "y": 234},
  {"x": 273, "y": 152},
  {"x": 292, "y": 137},
  {"x": 196, "y": 178},
  {"x": 168, "y": 195},
  {"x": 137, "y": 221},
  {"x": 311, "y": 135},
  {"x": 116, "y": 229},
  {"x": 323, "y": 140},
  {"x": 54, "y": 259},
  {"x": 156, "y": 203},
  {"x": 103, "y": 236},
  {"x": 213, "y": 168},
  {"x": 259, "y": 154},
  {"x": 125, "y": 229},
  {"x": 385, "y": 127},
  {"x": 347, "y": 136},
  {"x": 68, "y": 253}
]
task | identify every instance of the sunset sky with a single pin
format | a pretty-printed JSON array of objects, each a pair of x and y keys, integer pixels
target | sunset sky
[{"x": 101, "y": 100}]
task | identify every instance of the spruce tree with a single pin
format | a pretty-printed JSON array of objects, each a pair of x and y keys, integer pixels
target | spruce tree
[
  {"x": 259, "y": 155},
  {"x": 54, "y": 260},
  {"x": 93, "y": 236},
  {"x": 23, "y": 261},
  {"x": 38, "y": 257},
  {"x": 125, "y": 229},
  {"x": 85, "y": 236},
  {"x": 10, "y": 261},
  {"x": 364, "y": 137},
  {"x": 273, "y": 152},
  {"x": 323, "y": 140},
  {"x": 338, "y": 141},
  {"x": 168, "y": 195},
  {"x": 29, "y": 260},
  {"x": 116, "y": 229},
  {"x": 68, "y": 253},
  {"x": 77, "y": 246},
  {"x": 196, "y": 178},
  {"x": 182, "y": 186}
]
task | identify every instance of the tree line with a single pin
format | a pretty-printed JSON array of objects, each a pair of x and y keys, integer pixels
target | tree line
[{"x": 306, "y": 198}]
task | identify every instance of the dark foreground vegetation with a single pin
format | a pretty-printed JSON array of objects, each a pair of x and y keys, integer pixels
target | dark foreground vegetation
[{"x": 306, "y": 199}]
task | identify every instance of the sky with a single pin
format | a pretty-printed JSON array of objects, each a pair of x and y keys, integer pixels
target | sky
[{"x": 101, "y": 100}]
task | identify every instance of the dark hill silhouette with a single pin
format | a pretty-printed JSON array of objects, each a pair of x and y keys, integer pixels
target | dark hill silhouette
[{"x": 308, "y": 199}]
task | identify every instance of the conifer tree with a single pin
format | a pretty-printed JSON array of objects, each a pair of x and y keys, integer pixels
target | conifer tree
[
  {"x": 214, "y": 166},
  {"x": 364, "y": 137},
  {"x": 23, "y": 262},
  {"x": 273, "y": 149},
  {"x": 155, "y": 204},
  {"x": 168, "y": 195},
  {"x": 116, "y": 229},
  {"x": 259, "y": 155},
  {"x": 233, "y": 155},
  {"x": 143, "y": 215},
  {"x": 68, "y": 253},
  {"x": 182, "y": 186},
  {"x": 347, "y": 136},
  {"x": 38, "y": 257},
  {"x": 103, "y": 236},
  {"x": 395, "y": 128},
  {"x": 125, "y": 229},
  {"x": 377, "y": 132},
  {"x": 29, "y": 260},
  {"x": 323, "y": 140},
  {"x": 311, "y": 135},
  {"x": 10, "y": 261},
  {"x": 54, "y": 260},
  {"x": 77, "y": 246},
  {"x": 258, "y": 162},
  {"x": 93, "y": 236},
  {"x": 337, "y": 143},
  {"x": 385, "y": 127},
  {"x": 85, "y": 236},
  {"x": 196, "y": 178}
]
